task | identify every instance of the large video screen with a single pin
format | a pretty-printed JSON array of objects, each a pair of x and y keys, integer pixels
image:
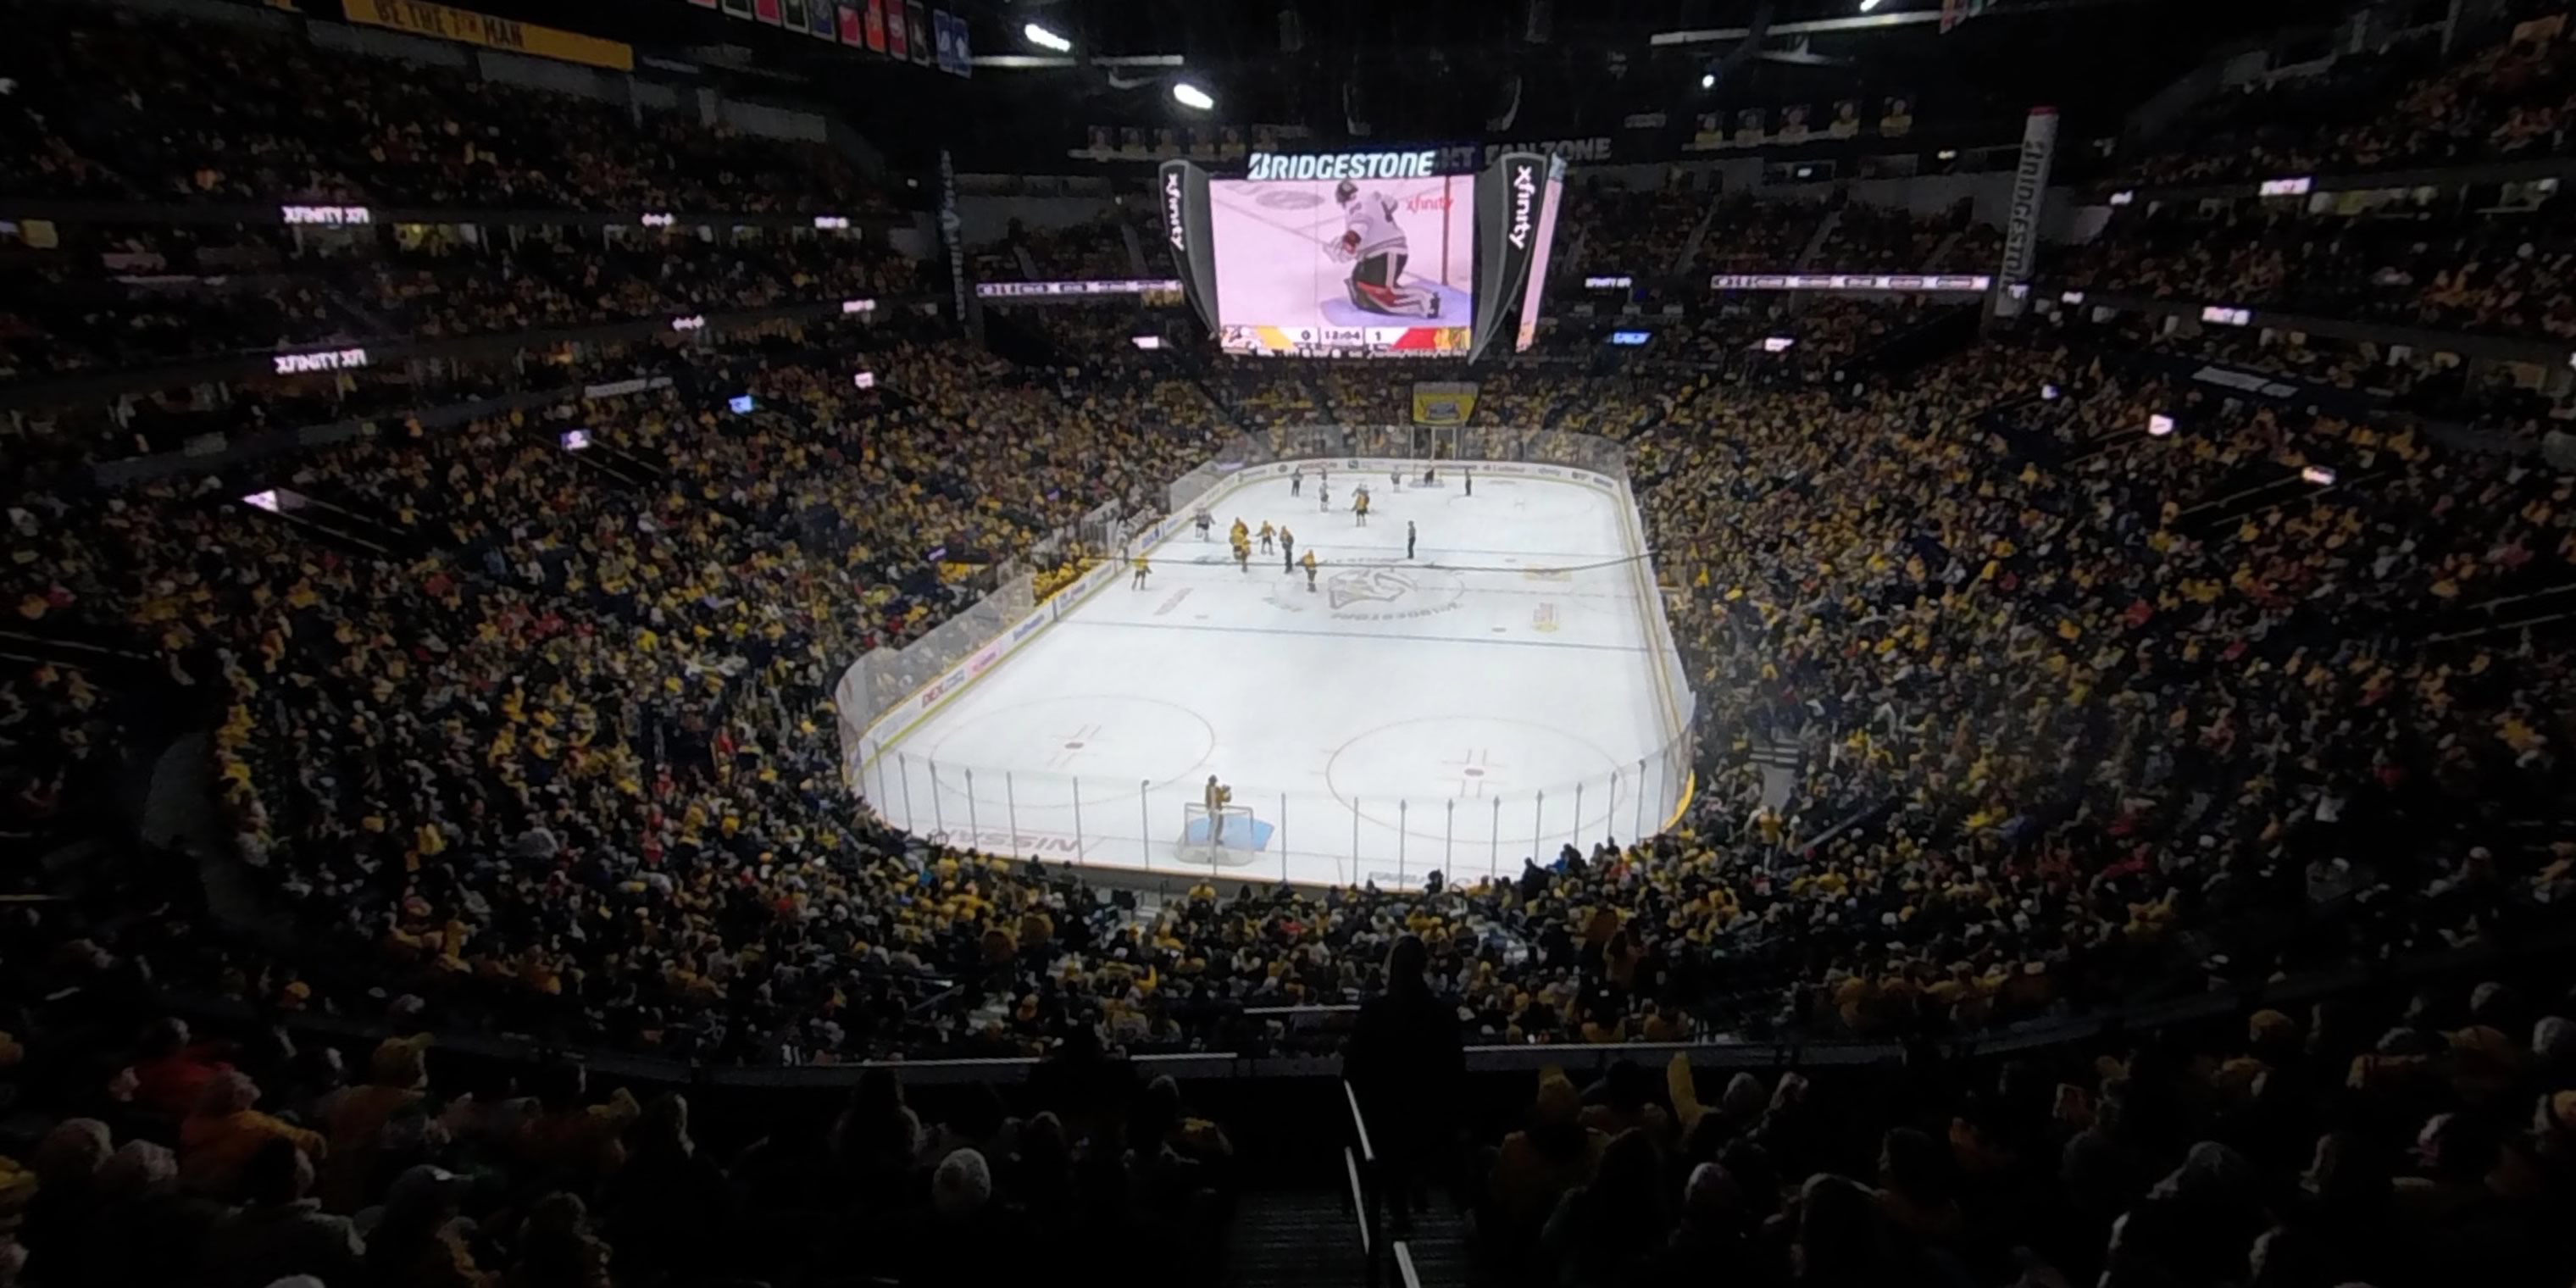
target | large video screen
[{"x": 1344, "y": 267}]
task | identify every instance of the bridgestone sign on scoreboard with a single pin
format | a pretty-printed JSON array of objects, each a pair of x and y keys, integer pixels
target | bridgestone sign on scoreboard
[{"x": 1269, "y": 166}]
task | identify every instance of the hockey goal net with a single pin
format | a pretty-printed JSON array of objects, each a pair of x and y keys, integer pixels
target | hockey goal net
[{"x": 1227, "y": 836}]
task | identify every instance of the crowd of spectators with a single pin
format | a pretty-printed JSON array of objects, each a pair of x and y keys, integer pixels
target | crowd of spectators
[
  {"x": 1886, "y": 239},
  {"x": 2430, "y": 1141},
  {"x": 1749, "y": 236},
  {"x": 2435, "y": 264},
  {"x": 1618, "y": 230},
  {"x": 537, "y": 743},
  {"x": 2392, "y": 107},
  {"x": 2487, "y": 258},
  {"x": 100, "y": 298},
  {"x": 115, "y": 105},
  {"x": 603, "y": 707},
  {"x": 1094, "y": 250},
  {"x": 148, "y": 1152}
]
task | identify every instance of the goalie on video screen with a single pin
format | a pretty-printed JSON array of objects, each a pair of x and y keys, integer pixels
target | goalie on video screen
[{"x": 1373, "y": 244}]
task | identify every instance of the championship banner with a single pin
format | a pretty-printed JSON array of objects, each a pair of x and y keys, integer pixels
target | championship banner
[
  {"x": 1182, "y": 190},
  {"x": 1511, "y": 207},
  {"x": 768, "y": 11},
  {"x": 876, "y": 26},
  {"x": 898, "y": 37},
  {"x": 952, "y": 229},
  {"x": 850, "y": 28},
  {"x": 2029, "y": 192},
  {"x": 738, "y": 9},
  {"x": 467, "y": 27},
  {"x": 1443, "y": 402},
  {"x": 916, "y": 22},
  {"x": 793, "y": 13}
]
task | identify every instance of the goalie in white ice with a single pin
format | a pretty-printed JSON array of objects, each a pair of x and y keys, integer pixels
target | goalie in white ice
[{"x": 1373, "y": 244}]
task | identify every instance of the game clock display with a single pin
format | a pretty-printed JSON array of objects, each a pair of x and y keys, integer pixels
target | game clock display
[{"x": 1345, "y": 342}]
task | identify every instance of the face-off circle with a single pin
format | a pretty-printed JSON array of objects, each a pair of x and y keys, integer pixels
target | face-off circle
[
  {"x": 1477, "y": 761},
  {"x": 1526, "y": 501},
  {"x": 1107, "y": 741}
]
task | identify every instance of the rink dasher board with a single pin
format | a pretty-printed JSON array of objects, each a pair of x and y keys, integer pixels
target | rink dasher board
[{"x": 899, "y": 722}]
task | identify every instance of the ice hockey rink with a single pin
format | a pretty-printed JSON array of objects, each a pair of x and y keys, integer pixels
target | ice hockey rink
[{"x": 1493, "y": 697}]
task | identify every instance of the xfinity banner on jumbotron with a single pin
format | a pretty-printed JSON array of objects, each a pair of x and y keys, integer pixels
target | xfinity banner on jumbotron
[
  {"x": 1181, "y": 189},
  {"x": 2021, "y": 220},
  {"x": 1511, "y": 201}
]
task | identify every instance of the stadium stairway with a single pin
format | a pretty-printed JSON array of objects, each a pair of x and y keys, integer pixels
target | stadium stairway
[
  {"x": 1136, "y": 262},
  {"x": 1816, "y": 244},
  {"x": 1781, "y": 763},
  {"x": 1312, "y": 1239},
  {"x": 1690, "y": 246}
]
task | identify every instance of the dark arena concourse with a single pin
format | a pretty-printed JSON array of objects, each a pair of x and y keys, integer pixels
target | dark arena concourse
[{"x": 1288, "y": 644}]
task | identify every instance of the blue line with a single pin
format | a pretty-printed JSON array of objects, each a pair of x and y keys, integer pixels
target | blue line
[{"x": 1357, "y": 636}]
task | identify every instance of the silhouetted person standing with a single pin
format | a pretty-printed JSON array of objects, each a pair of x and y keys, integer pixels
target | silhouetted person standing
[{"x": 1407, "y": 1063}]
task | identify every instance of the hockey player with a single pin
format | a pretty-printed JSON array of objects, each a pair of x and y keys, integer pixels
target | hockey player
[
  {"x": 1243, "y": 552},
  {"x": 1359, "y": 507},
  {"x": 1266, "y": 535},
  {"x": 1408, "y": 538},
  {"x": 1374, "y": 246},
  {"x": 1287, "y": 549},
  {"x": 1309, "y": 562},
  {"x": 1205, "y": 522},
  {"x": 1296, "y": 479},
  {"x": 1142, "y": 568},
  {"x": 1323, "y": 496}
]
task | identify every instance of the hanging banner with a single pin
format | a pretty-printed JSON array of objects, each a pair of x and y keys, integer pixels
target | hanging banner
[
  {"x": 1182, "y": 190},
  {"x": 704, "y": 4},
  {"x": 738, "y": 9},
  {"x": 916, "y": 22},
  {"x": 822, "y": 20},
  {"x": 468, "y": 27},
  {"x": 1511, "y": 212},
  {"x": 792, "y": 13},
  {"x": 768, "y": 11},
  {"x": 876, "y": 26},
  {"x": 944, "y": 29},
  {"x": 898, "y": 36},
  {"x": 2029, "y": 197},
  {"x": 850, "y": 27},
  {"x": 952, "y": 230}
]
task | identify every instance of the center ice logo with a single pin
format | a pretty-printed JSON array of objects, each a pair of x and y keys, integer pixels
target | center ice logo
[
  {"x": 1361, "y": 586},
  {"x": 1350, "y": 593}
]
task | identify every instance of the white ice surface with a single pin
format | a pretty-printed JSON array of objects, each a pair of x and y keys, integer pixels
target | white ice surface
[{"x": 1456, "y": 712}]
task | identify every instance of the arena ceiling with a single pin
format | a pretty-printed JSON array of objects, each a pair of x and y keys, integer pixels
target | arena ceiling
[{"x": 1443, "y": 70}]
